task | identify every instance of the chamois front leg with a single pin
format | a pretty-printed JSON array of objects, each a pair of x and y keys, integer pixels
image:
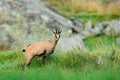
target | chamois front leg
[
  {"x": 43, "y": 59},
  {"x": 46, "y": 57}
]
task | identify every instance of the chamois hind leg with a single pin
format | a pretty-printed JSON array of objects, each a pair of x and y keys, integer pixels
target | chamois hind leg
[
  {"x": 48, "y": 56},
  {"x": 43, "y": 56},
  {"x": 28, "y": 60}
]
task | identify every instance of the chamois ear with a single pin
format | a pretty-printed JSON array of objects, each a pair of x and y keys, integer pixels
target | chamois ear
[
  {"x": 60, "y": 30},
  {"x": 54, "y": 31},
  {"x": 59, "y": 26}
]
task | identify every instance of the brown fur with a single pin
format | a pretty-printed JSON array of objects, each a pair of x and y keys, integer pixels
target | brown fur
[{"x": 43, "y": 48}]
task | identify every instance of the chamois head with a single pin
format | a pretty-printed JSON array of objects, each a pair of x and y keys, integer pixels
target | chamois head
[{"x": 57, "y": 32}]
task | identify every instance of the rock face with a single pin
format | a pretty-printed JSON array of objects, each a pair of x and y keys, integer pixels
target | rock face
[
  {"x": 29, "y": 21},
  {"x": 37, "y": 9},
  {"x": 26, "y": 20}
]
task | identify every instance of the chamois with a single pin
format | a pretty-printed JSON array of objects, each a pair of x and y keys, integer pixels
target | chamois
[{"x": 43, "y": 48}]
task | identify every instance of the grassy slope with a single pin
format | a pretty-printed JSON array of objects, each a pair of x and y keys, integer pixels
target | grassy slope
[
  {"x": 58, "y": 74},
  {"x": 94, "y": 17},
  {"x": 86, "y": 16},
  {"x": 74, "y": 65},
  {"x": 87, "y": 10}
]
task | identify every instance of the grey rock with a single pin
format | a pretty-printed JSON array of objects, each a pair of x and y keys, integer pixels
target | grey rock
[
  {"x": 87, "y": 29},
  {"x": 113, "y": 28},
  {"x": 5, "y": 39},
  {"x": 72, "y": 43},
  {"x": 24, "y": 18},
  {"x": 99, "y": 60},
  {"x": 88, "y": 26}
]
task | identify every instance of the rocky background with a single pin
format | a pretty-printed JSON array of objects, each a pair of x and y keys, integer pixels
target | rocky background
[{"x": 23, "y": 22}]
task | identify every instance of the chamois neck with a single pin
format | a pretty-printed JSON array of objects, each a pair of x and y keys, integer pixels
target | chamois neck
[{"x": 54, "y": 41}]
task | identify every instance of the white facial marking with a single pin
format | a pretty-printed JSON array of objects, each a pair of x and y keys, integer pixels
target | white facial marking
[{"x": 57, "y": 36}]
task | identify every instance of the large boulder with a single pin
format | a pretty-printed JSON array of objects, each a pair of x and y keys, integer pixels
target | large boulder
[
  {"x": 36, "y": 10},
  {"x": 72, "y": 43},
  {"x": 29, "y": 21}
]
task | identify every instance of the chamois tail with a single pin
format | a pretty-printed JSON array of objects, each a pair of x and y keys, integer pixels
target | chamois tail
[{"x": 23, "y": 50}]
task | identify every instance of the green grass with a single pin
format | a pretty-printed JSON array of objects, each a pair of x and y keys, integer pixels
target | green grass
[
  {"x": 61, "y": 74},
  {"x": 72, "y": 65},
  {"x": 94, "y": 43},
  {"x": 95, "y": 17}
]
